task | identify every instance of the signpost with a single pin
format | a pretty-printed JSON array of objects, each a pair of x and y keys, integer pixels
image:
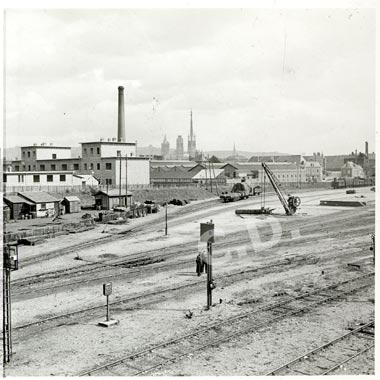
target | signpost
[
  {"x": 207, "y": 235},
  {"x": 10, "y": 262},
  {"x": 107, "y": 291}
]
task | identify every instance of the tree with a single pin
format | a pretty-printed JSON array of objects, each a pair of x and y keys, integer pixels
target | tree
[{"x": 214, "y": 159}]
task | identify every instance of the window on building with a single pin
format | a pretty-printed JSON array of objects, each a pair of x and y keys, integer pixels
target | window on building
[
  {"x": 76, "y": 166},
  {"x": 98, "y": 166},
  {"x": 36, "y": 178},
  {"x": 118, "y": 153},
  {"x": 28, "y": 154},
  {"x": 108, "y": 166},
  {"x": 85, "y": 151},
  {"x": 92, "y": 151},
  {"x": 4, "y": 178},
  {"x": 49, "y": 178},
  {"x": 131, "y": 154},
  {"x": 108, "y": 181},
  {"x": 98, "y": 150},
  {"x": 20, "y": 178},
  {"x": 91, "y": 166},
  {"x": 43, "y": 206},
  {"x": 29, "y": 168},
  {"x": 17, "y": 168},
  {"x": 85, "y": 166},
  {"x": 42, "y": 167},
  {"x": 54, "y": 156},
  {"x": 23, "y": 154},
  {"x": 52, "y": 166},
  {"x": 64, "y": 166},
  {"x": 34, "y": 167},
  {"x": 62, "y": 177},
  {"x": 34, "y": 153},
  {"x": 23, "y": 167}
]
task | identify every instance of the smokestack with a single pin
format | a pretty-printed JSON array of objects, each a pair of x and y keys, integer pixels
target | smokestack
[
  {"x": 366, "y": 148},
  {"x": 120, "y": 119}
]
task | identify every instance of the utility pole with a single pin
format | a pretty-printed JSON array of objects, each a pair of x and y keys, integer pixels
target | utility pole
[
  {"x": 119, "y": 179},
  {"x": 207, "y": 235},
  {"x": 10, "y": 262},
  {"x": 126, "y": 180},
  {"x": 166, "y": 219}
]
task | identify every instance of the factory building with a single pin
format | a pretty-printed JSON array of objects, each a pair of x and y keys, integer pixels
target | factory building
[{"x": 48, "y": 165}]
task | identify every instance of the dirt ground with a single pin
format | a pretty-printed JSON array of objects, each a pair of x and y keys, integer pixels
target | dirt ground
[{"x": 327, "y": 238}]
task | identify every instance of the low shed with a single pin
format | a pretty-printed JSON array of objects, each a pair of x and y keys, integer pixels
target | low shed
[
  {"x": 19, "y": 207},
  {"x": 106, "y": 200},
  {"x": 71, "y": 203},
  {"x": 43, "y": 204}
]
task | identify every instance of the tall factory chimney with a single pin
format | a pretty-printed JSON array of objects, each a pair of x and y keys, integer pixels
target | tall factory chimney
[
  {"x": 366, "y": 148},
  {"x": 120, "y": 116}
]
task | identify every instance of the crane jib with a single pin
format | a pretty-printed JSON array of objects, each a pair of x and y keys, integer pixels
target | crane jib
[{"x": 290, "y": 205}]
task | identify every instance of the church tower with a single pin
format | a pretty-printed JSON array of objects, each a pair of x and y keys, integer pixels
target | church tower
[{"x": 191, "y": 143}]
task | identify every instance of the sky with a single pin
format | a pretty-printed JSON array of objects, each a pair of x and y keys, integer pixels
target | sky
[{"x": 286, "y": 80}]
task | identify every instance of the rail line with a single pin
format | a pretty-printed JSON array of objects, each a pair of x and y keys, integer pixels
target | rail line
[
  {"x": 125, "y": 234},
  {"x": 159, "y": 355},
  {"x": 319, "y": 361},
  {"x": 143, "y": 258},
  {"x": 161, "y": 292},
  {"x": 155, "y": 264}
]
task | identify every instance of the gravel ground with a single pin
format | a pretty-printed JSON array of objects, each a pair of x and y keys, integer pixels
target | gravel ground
[{"x": 80, "y": 344}]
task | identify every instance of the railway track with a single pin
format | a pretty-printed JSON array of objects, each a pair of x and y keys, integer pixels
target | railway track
[
  {"x": 189, "y": 209},
  {"x": 332, "y": 355},
  {"x": 137, "y": 298},
  {"x": 144, "y": 264},
  {"x": 150, "y": 257},
  {"x": 162, "y": 354}
]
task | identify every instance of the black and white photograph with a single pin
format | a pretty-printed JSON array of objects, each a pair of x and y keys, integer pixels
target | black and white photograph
[{"x": 188, "y": 188}]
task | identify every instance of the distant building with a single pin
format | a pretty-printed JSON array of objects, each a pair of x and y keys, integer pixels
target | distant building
[
  {"x": 49, "y": 165},
  {"x": 179, "y": 148},
  {"x": 165, "y": 149},
  {"x": 313, "y": 171},
  {"x": 290, "y": 158},
  {"x": 318, "y": 157},
  {"x": 352, "y": 170},
  {"x": 235, "y": 157},
  {"x": 191, "y": 143}
]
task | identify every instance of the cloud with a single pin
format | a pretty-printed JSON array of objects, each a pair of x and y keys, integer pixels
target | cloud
[{"x": 265, "y": 78}]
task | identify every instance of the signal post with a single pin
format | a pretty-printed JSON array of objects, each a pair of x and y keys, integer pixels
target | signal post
[{"x": 207, "y": 236}]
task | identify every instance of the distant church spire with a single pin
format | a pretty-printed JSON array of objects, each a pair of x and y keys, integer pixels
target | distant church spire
[
  {"x": 191, "y": 124},
  {"x": 191, "y": 143},
  {"x": 234, "y": 150}
]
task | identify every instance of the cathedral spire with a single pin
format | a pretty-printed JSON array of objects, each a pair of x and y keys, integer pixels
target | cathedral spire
[
  {"x": 191, "y": 124},
  {"x": 234, "y": 150}
]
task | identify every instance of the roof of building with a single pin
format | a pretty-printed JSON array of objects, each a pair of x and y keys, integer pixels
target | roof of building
[
  {"x": 352, "y": 165},
  {"x": 312, "y": 164},
  {"x": 114, "y": 192},
  {"x": 45, "y": 147},
  {"x": 173, "y": 162},
  {"x": 38, "y": 196},
  {"x": 40, "y": 172},
  {"x": 109, "y": 143},
  {"x": 205, "y": 174},
  {"x": 171, "y": 174},
  {"x": 271, "y": 165},
  {"x": 72, "y": 198},
  {"x": 16, "y": 199}
]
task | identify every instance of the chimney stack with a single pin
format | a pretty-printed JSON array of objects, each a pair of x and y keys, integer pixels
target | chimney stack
[
  {"x": 366, "y": 148},
  {"x": 120, "y": 118}
]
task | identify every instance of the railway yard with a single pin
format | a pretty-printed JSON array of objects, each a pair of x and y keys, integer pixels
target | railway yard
[{"x": 294, "y": 294}]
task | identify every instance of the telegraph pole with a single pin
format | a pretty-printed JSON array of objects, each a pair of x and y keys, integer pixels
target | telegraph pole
[
  {"x": 119, "y": 179},
  {"x": 10, "y": 262},
  {"x": 126, "y": 181},
  {"x": 166, "y": 219},
  {"x": 207, "y": 235}
]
